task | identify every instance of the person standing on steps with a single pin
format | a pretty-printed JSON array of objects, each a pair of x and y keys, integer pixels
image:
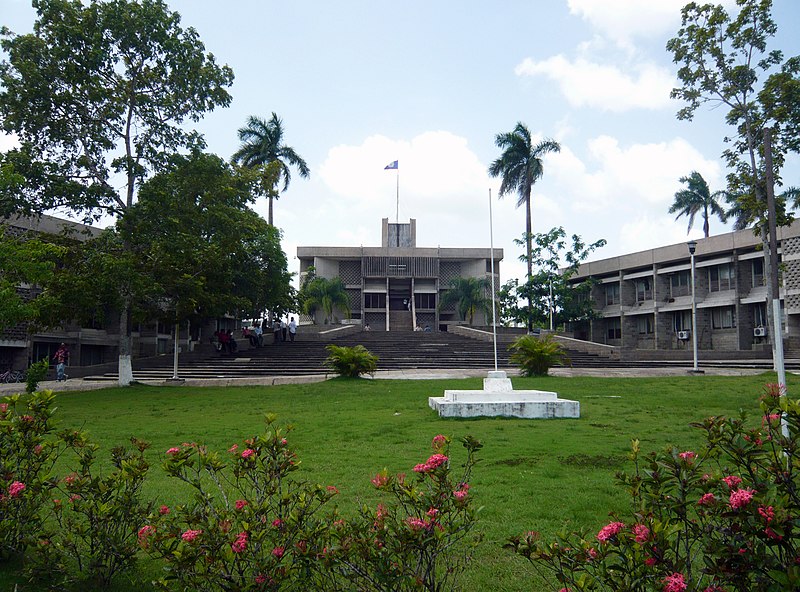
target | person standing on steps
[
  {"x": 292, "y": 329},
  {"x": 61, "y": 357},
  {"x": 276, "y": 331},
  {"x": 284, "y": 329}
]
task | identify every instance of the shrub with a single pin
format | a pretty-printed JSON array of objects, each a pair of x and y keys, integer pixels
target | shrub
[
  {"x": 36, "y": 373},
  {"x": 720, "y": 518},
  {"x": 351, "y": 361},
  {"x": 250, "y": 526},
  {"x": 28, "y": 453},
  {"x": 536, "y": 355},
  {"x": 419, "y": 540},
  {"x": 90, "y": 531}
]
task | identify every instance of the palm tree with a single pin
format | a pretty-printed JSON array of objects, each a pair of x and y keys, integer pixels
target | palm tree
[
  {"x": 521, "y": 166},
  {"x": 325, "y": 295},
  {"x": 697, "y": 198},
  {"x": 469, "y": 296},
  {"x": 262, "y": 144}
]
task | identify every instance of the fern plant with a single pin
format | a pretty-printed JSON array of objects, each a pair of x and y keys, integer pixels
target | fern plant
[
  {"x": 351, "y": 361},
  {"x": 536, "y": 355}
]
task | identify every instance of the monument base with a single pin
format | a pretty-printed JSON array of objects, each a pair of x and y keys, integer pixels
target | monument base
[{"x": 499, "y": 399}]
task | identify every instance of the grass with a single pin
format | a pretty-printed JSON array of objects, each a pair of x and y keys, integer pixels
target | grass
[{"x": 542, "y": 475}]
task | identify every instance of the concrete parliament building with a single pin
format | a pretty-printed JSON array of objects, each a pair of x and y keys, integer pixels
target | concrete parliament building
[
  {"x": 398, "y": 285},
  {"x": 644, "y": 300}
]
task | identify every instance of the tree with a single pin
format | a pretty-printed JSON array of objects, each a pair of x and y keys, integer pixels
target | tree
[
  {"x": 549, "y": 290},
  {"x": 262, "y": 144},
  {"x": 322, "y": 294},
  {"x": 520, "y": 166},
  {"x": 697, "y": 198},
  {"x": 721, "y": 59},
  {"x": 468, "y": 296},
  {"x": 99, "y": 91}
]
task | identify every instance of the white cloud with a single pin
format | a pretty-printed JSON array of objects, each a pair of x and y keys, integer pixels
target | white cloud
[
  {"x": 588, "y": 84},
  {"x": 642, "y": 175},
  {"x": 623, "y": 20}
]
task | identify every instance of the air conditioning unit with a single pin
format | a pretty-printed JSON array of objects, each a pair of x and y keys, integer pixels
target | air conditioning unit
[
  {"x": 683, "y": 335},
  {"x": 760, "y": 332}
]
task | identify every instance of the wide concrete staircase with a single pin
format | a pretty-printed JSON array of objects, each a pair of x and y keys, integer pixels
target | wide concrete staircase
[{"x": 396, "y": 350}]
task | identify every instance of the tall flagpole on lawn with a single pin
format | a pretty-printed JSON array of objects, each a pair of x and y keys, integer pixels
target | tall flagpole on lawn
[{"x": 491, "y": 255}]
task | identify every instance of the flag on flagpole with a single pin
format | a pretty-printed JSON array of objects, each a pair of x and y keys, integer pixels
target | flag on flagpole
[{"x": 390, "y": 166}]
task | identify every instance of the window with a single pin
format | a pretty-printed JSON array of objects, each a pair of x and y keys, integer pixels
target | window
[
  {"x": 374, "y": 300},
  {"x": 644, "y": 290},
  {"x": 425, "y": 300},
  {"x": 758, "y": 272},
  {"x": 723, "y": 318},
  {"x": 679, "y": 284},
  {"x": 721, "y": 277},
  {"x": 644, "y": 324},
  {"x": 682, "y": 320},
  {"x": 613, "y": 329},
  {"x": 612, "y": 294},
  {"x": 759, "y": 315}
]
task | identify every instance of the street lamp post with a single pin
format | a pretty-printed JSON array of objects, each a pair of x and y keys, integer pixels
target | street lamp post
[{"x": 695, "y": 370}]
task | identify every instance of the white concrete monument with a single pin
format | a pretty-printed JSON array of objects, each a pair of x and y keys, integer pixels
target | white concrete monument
[{"x": 499, "y": 399}]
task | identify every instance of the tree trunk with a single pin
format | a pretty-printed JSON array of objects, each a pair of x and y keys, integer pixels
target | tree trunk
[
  {"x": 125, "y": 369},
  {"x": 528, "y": 249},
  {"x": 269, "y": 215}
]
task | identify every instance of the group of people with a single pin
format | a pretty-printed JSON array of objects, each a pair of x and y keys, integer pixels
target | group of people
[{"x": 281, "y": 329}]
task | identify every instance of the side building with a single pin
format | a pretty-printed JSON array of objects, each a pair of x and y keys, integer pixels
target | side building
[
  {"x": 644, "y": 299},
  {"x": 94, "y": 342},
  {"x": 398, "y": 285}
]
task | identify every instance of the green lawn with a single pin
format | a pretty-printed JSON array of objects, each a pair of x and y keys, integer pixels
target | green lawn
[{"x": 534, "y": 474}]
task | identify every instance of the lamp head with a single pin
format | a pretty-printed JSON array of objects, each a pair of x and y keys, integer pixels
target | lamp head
[{"x": 692, "y": 246}]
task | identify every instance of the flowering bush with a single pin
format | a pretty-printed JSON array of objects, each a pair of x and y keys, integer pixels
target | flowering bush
[
  {"x": 250, "y": 526},
  {"x": 421, "y": 539},
  {"x": 721, "y": 518},
  {"x": 27, "y": 455},
  {"x": 90, "y": 534}
]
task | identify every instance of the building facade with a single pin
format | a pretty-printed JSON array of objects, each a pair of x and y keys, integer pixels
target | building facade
[
  {"x": 644, "y": 299},
  {"x": 89, "y": 344},
  {"x": 398, "y": 286}
]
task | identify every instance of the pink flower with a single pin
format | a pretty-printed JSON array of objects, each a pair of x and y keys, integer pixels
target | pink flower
[
  {"x": 191, "y": 535},
  {"x": 650, "y": 561},
  {"x": 163, "y": 510},
  {"x": 277, "y": 523},
  {"x": 332, "y": 489},
  {"x": 416, "y": 524},
  {"x": 144, "y": 533},
  {"x": 772, "y": 534},
  {"x": 439, "y": 442},
  {"x": 70, "y": 479},
  {"x": 15, "y": 489},
  {"x": 592, "y": 553},
  {"x": 641, "y": 533},
  {"x": 234, "y": 449},
  {"x": 173, "y": 450},
  {"x": 767, "y": 513},
  {"x": 740, "y": 498},
  {"x": 433, "y": 512},
  {"x": 3, "y": 407},
  {"x": 380, "y": 480},
  {"x": 461, "y": 494},
  {"x": 240, "y": 544},
  {"x": 732, "y": 481},
  {"x": 688, "y": 456},
  {"x": 434, "y": 462},
  {"x": 707, "y": 499},
  {"x": 240, "y": 504},
  {"x": 283, "y": 441},
  {"x": 609, "y": 531},
  {"x": 278, "y": 552},
  {"x": 674, "y": 583},
  {"x": 261, "y": 579},
  {"x": 564, "y": 590},
  {"x": 248, "y": 452}
]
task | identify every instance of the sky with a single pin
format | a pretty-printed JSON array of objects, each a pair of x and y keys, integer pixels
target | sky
[{"x": 359, "y": 84}]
